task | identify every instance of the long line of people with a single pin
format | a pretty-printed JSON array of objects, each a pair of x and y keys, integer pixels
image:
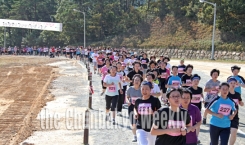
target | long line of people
[{"x": 165, "y": 102}]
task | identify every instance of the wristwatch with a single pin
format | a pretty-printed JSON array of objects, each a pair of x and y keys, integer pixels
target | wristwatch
[{"x": 186, "y": 130}]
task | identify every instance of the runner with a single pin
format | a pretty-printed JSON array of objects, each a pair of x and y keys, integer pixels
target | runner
[
  {"x": 197, "y": 92},
  {"x": 113, "y": 87},
  {"x": 133, "y": 93},
  {"x": 163, "y": 76},
  {"x": 100, "y": 62},
  {"x": 181, "y": 68},
  {"x": 236, "y": 97},
  {"x": 240, "y": 80},
  {"x": 174, "y": 81},
  {"x": 186, "y": 78},
  {"x": 152, "y": 66},
  {"x": 104, "y": 72},
  {"x": 144, "y": 61},
  {"x": 155, "y": 91},
  {"x": 121, "y": 98},
  {"x": 94, "y": 57},
  {"x": 220, "y": 109},
  {"x": 156, "y": 80},
  {"x": 143, "y": 112},
  {"x": 131, "y": 62},
  {"x": 197, "y": 96},
  {"x": 153, "y": 58},
  {"x": 171, "y": 124},
  {"x": 212, "y": 89},
  {"x": 160, "y": 60},
  {"x": 196, "y": 118},
  {"x": 166, "y": 59},
  {"x": 78, "y": 54},
  {"x": 136, "y": 70}
]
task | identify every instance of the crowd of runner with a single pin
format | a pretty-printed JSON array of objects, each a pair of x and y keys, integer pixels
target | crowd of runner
[
  {"x": 43, "y": 51},
  {"x": 165, "y": 102}
]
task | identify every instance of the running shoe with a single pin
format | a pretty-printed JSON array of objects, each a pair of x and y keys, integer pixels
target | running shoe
[
  {"x": 204, "y": 121},
  {"x": 119, "y": 114},
  {"x": 135, "y": 139},
  {"x": 113, "y": 122},
  {"x": 102, "y": 94},
  {"x": 107, "y": 117}
]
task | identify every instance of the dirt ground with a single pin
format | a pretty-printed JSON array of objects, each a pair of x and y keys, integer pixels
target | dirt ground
[{"x": 23, "y": 86}]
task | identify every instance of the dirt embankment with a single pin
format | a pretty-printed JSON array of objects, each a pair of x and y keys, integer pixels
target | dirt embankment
[{"x": 23, "y": 86}]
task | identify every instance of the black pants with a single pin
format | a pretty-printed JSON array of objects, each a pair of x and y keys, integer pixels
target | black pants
[
  {"x": 111, "y": 102},
  {"x": 131, "y": 114},
  {"x": 121, "y": 99},
  {"x": 216, "y": 132}
]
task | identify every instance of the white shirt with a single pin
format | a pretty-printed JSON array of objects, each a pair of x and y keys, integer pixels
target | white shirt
[
  {"x": 155, "y": 89},
  {"x": 168, "y": 66},
  {"x": 86, "y": 52},
  {"x": 112, "y": 90},
  {"x": 120, "y": 74},
  {"x": 94, "y": 56},
  {"x": 131, "y": 61},
  {"x": 67, "y": 49},
  {"x": 116, "y": 58}
]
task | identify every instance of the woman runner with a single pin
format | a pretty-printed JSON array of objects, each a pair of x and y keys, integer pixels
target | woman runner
[
  {"x": 163, "y": 76},
  {"x": 236, "y": 97},
  {"x": 104, "y": 72},
  {"x": 212, "y": 89},
  {"x": 196, "y": 118},
  {"x": 143, "y": 110},
  {"x": 133, "y": 93},
  {"x": 220, "y": 109},
  {"x": 171, "y": 124},
  {"x": 113, "y": 88}
]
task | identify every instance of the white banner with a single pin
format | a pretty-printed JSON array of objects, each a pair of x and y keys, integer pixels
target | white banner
[{"x": 31, "y": 25}]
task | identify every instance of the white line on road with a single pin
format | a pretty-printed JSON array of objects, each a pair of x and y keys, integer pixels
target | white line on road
[{"x": 241, "y": 132}]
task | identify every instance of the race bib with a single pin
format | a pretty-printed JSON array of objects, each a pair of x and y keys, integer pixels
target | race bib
[
  {"x": 213, "y": 92},
  {"x": 175, "y": 84},
  {"x": 133, "y": 99},
  {"x": 172, "y": 124},
  {"x": 112, "y": 88},
  {"x": 145, "y": 109},
  {"x": 188, "y": 83},
  {"x": 236, "y": 101},
  {"x": 180, "y": 70},
  {"x": 144, "y": 61},
  {"x": 196, "y": 98},
  {"x": 224, "y": 109},
  {"x": 120, "y": 76},
  {"x": 164, "y": 75},
  {"x": 100, "y": 60}
]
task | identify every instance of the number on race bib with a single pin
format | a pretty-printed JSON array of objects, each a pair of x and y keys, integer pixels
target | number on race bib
[
  {"x": 164, "y": 75},
  {"x": 224, "y": 109},
  {"x": 196, "y": 98},
  {"x": 112, "y": 88}
]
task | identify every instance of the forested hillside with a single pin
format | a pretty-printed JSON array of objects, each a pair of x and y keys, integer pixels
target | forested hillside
[{"x": 135, "y": 23}]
